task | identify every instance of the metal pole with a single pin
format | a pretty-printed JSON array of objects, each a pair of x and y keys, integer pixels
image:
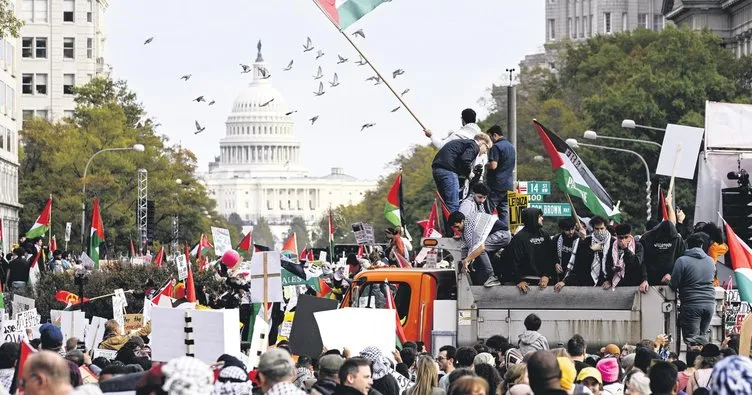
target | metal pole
[
  {"x": 512, "y": 124},
  {"x": 647, "y": 169},
  {"x": 630, "y": 140},
  {"x": 650, "y": 128}
]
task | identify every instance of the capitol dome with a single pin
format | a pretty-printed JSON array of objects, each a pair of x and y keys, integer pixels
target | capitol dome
[{"x": 259, "y": 138}]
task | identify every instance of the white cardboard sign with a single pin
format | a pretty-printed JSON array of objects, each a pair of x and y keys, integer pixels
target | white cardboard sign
[
  {"x": 685, "y": 140},
  {"x": 357, "y": 328},
  {"x": 182, "y": 264},
  {"x": 222, "y": 242}
]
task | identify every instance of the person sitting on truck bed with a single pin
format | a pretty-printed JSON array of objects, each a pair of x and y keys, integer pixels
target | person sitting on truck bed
[
  {"x": 593, "y": 263},
  {"x": 531, "y": 255},
  {"x": 663, "y": 246},
  {"x": 483, "y": 235}
]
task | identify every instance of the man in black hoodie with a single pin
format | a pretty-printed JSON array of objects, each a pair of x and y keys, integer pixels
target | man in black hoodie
[
  {"x": 531, "y": 255},
  {"x": 662, "y": 247},
  {"x": 593, "y": 263}
]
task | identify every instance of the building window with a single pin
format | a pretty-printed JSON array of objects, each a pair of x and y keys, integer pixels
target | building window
[
  {"x": 2, "y": 138},
  {"x": 68, "y": 10},
  {"x": 42, "y": 114},
  {"x": 624, "y": 22},
  {"x": 658, "y": 21},
  {"x": 41, "y": 47},
  {"x": 69, "y": 80},
  {"x": 27, "y": 47},
  {"x": 69, "y": 44},
  {"x": 9, "y": 49},
  {"x": 570, "y": 28},
  {"x": 607, "y": 22},
  {"x": 89, "y": 48},
  {"x": 68, "y": 113},
  {"x": 552, "y": 29},
  {"x": 34, "y": 11},
  {"x": 576, "y": 26},
  {"x": 642, "y": 21},
  {"x": 27, "y": 84},
  {"x": 28, "y": 114},
  {"x": 584, "y": 26},
  {"x": 89, "y": 11},
  {"x": 40, "y": 82}
]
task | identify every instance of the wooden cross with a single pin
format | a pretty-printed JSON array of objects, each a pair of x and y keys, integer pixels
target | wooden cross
[{"x": 266, "y": 276}]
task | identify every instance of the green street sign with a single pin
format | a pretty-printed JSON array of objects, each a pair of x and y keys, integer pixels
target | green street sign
[
  {"x": 554, "y": 209},
  {"x": 535, "y": 187}
]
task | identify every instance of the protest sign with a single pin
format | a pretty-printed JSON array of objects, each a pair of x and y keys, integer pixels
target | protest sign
[
  {"x": 305, "y": 338},
  {"x": 222, "y": 242},
  {"x": 109, "y": 354},
  {"x": 22, "y": 303},
  {"x": 72, "y": 323},
  {"x": 94, "y": 332},
  {"x": 215, "y": 332},
  {"x": 266, "y": 281},
  {"x": 182, "y": 265},
  {"x": 357, "y": 328},
  {"x": 167, "y": 333},
  {"x": 133, "y": 322},
  {"x": 11, "y": 333},
  {"x": 27, "y": 319}
]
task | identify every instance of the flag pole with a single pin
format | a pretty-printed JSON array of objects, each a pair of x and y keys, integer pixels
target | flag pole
[
  {"x": 49, "y": 235},
  {"x": 360, "y": 52}
]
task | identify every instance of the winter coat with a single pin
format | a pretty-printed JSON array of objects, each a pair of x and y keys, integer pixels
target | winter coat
[
  {"x": 530, "y": 253},
  {"x": 662, "y": 247},
  {"x": 693, "y": 278}
]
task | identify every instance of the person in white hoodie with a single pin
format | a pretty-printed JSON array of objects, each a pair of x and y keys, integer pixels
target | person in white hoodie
[{"x": 531, "y": 340}]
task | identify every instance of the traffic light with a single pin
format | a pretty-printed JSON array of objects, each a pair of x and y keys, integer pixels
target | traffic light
[{"x": 150, "y": 224}]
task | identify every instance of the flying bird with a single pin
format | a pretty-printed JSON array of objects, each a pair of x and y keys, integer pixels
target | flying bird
[
  {"x": 335, "y": 81},
  {"x": 199, "y": 99},
  {"x": 199, "y": 128},
  {"x": 361, "y": 62},
  {"x": 289, "y": 66},
  {"x": 186, "y": 77},
  {"x": 265, "y": 74},
  {"x": 314, "y": 119},
  {"x": 404, "y": 92},
  {"x": 396, "y": 109},
  {"x": 246, "y": 68},
  {"x": 319, "y": 74},
  {"x": 211, "y": 103},
  {"x": 397, "y": 73},
  {"x": 366, "y": 126},
  {"x": 149, "y": 40},
  {"x": 359, "y": 33},
  {"x": 321, "y": 89},
  {"x": 378, "y": 81},
  {"x": 319, "y": 54},
  {"x": 308, "y": 47},
  {"x": 267, "y": 103},
  {"x": 374, "y": 78},
  {"x": 341, "y": 59},
  {"x": 290, "y": 113}
]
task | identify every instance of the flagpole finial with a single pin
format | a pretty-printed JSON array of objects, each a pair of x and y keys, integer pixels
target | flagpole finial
[{"x": 259, "y": 57}]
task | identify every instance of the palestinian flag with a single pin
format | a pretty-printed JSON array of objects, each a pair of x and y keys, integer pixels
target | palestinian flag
[
  {"x": 260, "y": 248},
  {"x": 97, "y": 234},
  {"x": 574, "y": 177},
  {"x": 167, "y": 290},
  {"x": 325, "y": 291},
  {"x": 662, "y": 202},
  {"x": 291, "y": 245},
  {"x": 159, "y": 257},
  {"x": 26, "y": 351},
  {"x": 42, "y": 225},
  {"x": 444, "y": 208},
  {"x": 245, "y": 245},
  {"x": 393, "y": 202},
  {"x": 429, "y": 224},
  {"x": 202, "y": 248},
  {"x": 400, "y": 337},
  {"x": 741, "y": 262},
  {"x": 346, "y": 12}
]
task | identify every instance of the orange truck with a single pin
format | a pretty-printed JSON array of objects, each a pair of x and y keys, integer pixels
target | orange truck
[{"x": 439, "y": 306}]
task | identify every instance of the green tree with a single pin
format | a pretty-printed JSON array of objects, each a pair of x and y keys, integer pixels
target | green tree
[
  {"x": 298, "y": 226},
  {"x": 237, "y": 222},
  {"x": 53, "y": 156},
  {"x": 262, "y": 233},
  {"x": 10, "y": 25}
]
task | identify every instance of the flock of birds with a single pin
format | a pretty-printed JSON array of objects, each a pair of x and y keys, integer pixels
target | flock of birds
[{"x": 335, "y": 82}]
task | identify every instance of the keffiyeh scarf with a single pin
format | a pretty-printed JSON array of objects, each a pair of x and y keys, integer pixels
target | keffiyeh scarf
[
  {"x": 187, "y": 376},
  {"x": 618, "y": 256},
  {"x": 380, "y": 364},
  {"x": 732, "y": 375},
  {"x": 285, "y": 389},
  {"x": 477, "y": 229},
  {"x": 598, "y": 266}
]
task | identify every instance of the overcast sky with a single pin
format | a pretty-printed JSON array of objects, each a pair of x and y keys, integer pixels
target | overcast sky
[{"x": 452, "y": 52}]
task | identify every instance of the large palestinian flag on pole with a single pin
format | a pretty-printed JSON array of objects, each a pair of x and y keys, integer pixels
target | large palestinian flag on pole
[
  {"x": 42, "y": 225},
  {"x": 393, "y": 204},
  {"x": 346, "y": 12},
  {"x": 574, "y": 177},
  {"x": 741, "y": 261}
]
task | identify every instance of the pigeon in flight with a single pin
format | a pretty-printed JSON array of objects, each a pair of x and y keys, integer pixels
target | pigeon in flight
[
  {"x": 211, "y": 103},
  {"x": 404, "y": 92},
  {"x": 366, "y": 126},
  {"x": 290, "y": 113},
  {"x": 265, "y": 74},
  {"x": 199, "y": 128},
  {"x": 378, "y": 81},
  {"x": 308, "y": 47},
  {"x": 335, "y": 81},
  {"x": 314, "y": 119},
  {"x": 361, "y": 62},
  {"x": 267, "y": 103},
  {"x": 289, "y": 66},
  {"x": 359, "y": 33},
  {"x": 341, "y": 59},
  {"x": 374, "y": 78},
  {"x": 199, "y": 99},
  {"x": 319, "y": 74},
  {"x": 148, "y": 40},
  {"x": 319, "y": 54},
  {"x": 186, "y": 77},
  {"x": 396, "y": 109},
  {"x": 321, "y": 89},
  {"x": 246, "y": 68},
  {"x": 397, "y": 73}
]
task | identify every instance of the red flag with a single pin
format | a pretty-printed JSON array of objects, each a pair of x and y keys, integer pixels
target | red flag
[
  {"x": 304, "y": 254},
  {"x": 361, "y": 251},
  {"x": 324, "y": 289},
  {"x": 167, "y": 290},
  {"x": 158, "y": 258},
  {"x": 662, "y": 199},
  {"x": 133, "y": 250},
  {"x": 311, "y": 258},
  {"x": 26, "y": 351},
  {"x": 331, "y": 227},
  {"x": 391, "y": 305},
  {"x": 432, "y": 219},
  {"x": 245, "y": 244},
  {"x": 190, "y": 287},
  {"x": 444, "y": 207},
  {"x": 53, "y": 243},
  {"x": 68, "y": 297},
  {"x": 291, "y": 244}
]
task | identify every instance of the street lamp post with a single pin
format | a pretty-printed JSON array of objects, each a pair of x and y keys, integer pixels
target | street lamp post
[
  {"x": 135, "y": 147},
  {"x": 591, "y": 135},
  {"x": 630, "y": 124},
  {"x": 575, "y": 144}
]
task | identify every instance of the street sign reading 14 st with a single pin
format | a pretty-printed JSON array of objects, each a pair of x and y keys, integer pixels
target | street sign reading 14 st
[{"x": 535, "y": 187}]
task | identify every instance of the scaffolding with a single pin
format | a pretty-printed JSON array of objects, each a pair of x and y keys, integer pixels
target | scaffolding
[{"x": 142, "y": 208}]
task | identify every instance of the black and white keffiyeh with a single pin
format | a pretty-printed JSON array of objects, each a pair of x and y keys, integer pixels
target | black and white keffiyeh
[
  {"x": 731, "y": 376},
  {"x": 598, "y": 266},
  {"x": 380, "y": 366},
  {"x": 187, "y": 376},
  {"x": 285, "y": 388},
  {"x": 477, "y": 229}
]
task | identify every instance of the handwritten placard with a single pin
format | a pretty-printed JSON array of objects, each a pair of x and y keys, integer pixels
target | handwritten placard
[
  {"x": 22, "y": 303},
  {"x": 11, "y": 333},
  {"x": 27, "y": 319},
  {"x": 133, "y": 322},
  {"x": 182, "y": 265}
]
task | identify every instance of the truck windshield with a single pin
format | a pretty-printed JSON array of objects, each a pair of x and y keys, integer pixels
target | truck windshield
[{"x": 372, "y": 295}]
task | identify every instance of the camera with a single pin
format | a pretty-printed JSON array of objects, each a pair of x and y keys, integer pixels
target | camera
[{"x": 741, "y": 176}]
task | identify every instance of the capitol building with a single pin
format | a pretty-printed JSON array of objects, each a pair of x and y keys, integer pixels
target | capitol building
[{"x": 258, "y": 173}]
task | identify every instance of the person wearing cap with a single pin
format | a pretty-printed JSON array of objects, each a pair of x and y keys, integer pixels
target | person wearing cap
[
  {"x": 328, "y": 376},
  {"x": 627, "y": 255},
  {"x": 589, "y": 378},
  {"x": 9, "y": 354},
  {"x": 692, "y": 277},
  {"x": 609, "y": 368},
  {"x": 276, "y": 372},
  {"x": 612, "y": 350},
  {"x": 544, "y": 374},
  {"x": 704, "y": 364},
  {"x": 52, "y": 338}
]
